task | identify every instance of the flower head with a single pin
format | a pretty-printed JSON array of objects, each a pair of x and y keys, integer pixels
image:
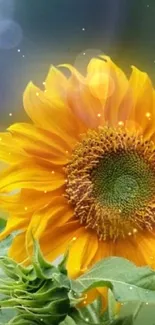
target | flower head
[{"x": 84, "y": 169}]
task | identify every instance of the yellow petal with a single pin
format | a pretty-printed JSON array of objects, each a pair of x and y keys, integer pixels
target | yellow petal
[
  {"x": 85, "y": 106},
  {"x": 50, "y": 114},
  {"x": 56, "y": 241},
  {"x": 146, "y": 246},
  {"x": 142, "y": 112},
  {"x": 9, "y": 151},
  {"x": 28, "y": 200},
  {"x": 30, "y": 175},
  {"x": 53, "y": 215},
  {"x": 17, "y": 250},
  {"x": 56, "y": 83},
  {"x": 82, "y": 252},
  {"x": 105, "y": 249},
  {"x": 110, "y": 85},
  {"x": 15, "y": 223},
  {"x": 40, "y": 143},
  {"x": 131, "y": 251}
]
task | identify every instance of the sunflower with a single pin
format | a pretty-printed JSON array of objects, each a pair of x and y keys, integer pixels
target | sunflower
[{"x": 82, "y": 173}]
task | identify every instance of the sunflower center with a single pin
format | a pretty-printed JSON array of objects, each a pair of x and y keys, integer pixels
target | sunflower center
[
  {"x": 111, "y": 182},
  {"x": 122, "y": 180}
]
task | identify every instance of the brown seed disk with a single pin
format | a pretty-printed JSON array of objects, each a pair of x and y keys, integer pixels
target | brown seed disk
[{"x": 86, "y": 185}]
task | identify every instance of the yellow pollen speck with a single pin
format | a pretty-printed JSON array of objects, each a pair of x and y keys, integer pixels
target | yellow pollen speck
[
  {"x": 120, "y": 123},
  {"x": 45, "y": 192},
  {"x": 148, "y": 115},
  {"x": 0, "y": 139},
  {"x": 52, "y": 172},
  {"x": 84, "y": 269},
  {"x": 74, "y": 238},
  {"x": 135, "y": 230},
  {"x": 66, "y": 151},
  {"x": 84, "y": 302},
  {"x": 37, "y": 94},
  {"x": 9, "y": 153},
  {"x": 99, "y": 115},
  {"x": 25, "y": 208},
  {"x": 44, "y": 83},
  {"x": 129, "y": 233}
]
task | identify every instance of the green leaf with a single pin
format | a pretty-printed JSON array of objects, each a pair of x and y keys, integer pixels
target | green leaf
[
  {"x": 6, "y": 315},
  {"x": 127, "y": 282},
  {"x": 5, "y": 244},
  {"x": 43, "y": 269},
  {"x": 111, "y": 305},
  {"x": 2, "y": 222},
  {"x": 62, "y": 264},
  {"x": 123, "y": 321},
  {"x": 68, "y": 321},
  {"x": 80, "y": 320}
]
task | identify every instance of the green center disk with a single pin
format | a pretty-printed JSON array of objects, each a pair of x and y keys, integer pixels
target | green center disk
[{"x": 123, "y": 180}]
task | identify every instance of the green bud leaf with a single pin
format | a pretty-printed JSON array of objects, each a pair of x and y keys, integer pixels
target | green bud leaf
[{"x": 127, "y": 282}]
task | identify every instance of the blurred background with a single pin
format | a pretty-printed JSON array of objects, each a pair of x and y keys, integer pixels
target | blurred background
[{"x": 37, "y": 33}]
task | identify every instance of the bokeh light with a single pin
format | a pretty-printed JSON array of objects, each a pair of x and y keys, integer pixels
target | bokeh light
[
  {"x": 84, "y": 57},
  {"x": 10, "y": 34},
  {"x": 10, "y": 31}
]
